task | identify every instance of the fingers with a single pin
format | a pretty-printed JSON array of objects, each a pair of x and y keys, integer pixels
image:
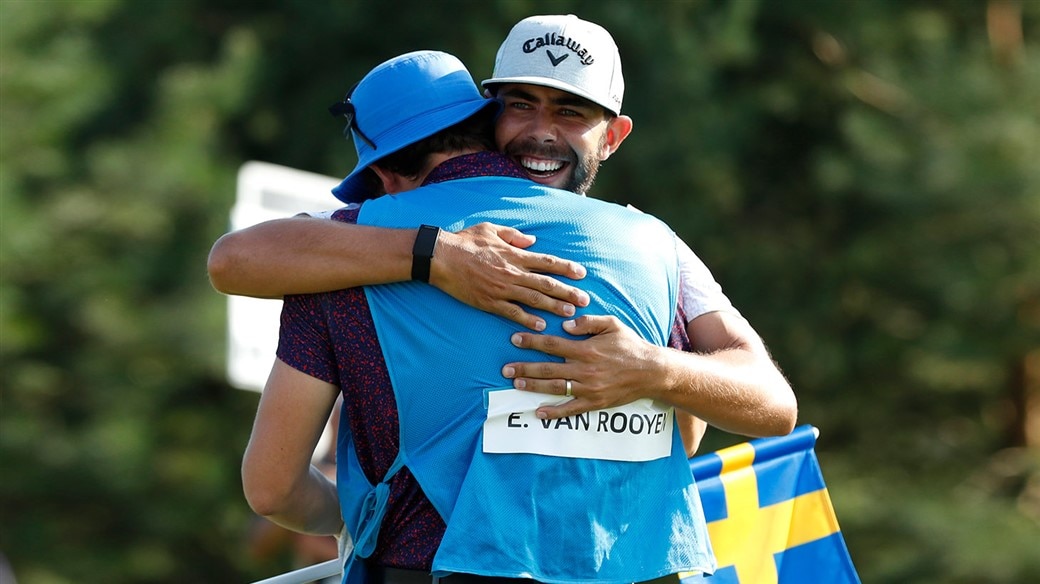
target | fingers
[
  {"x": 550, "y": 264},
  {"x": 551, "y": 296},
  {"x": 550, "y": 344},
  {"x": 578, "y": 405},
  {"x": 516, "y": 314},
  {"x": 572, "y": 408},
  {"x": 511, "y": 236},
  {"x": 517, "y": 295},
  {"x": 487, "y": 266},
  {"x": 535, "y": 262},
  {"x": 547, "y": 293},
  {"x": 592, "y": 324},
  {"x": 542, "y": 377}
]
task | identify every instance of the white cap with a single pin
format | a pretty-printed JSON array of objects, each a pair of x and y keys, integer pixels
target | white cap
[{"x": 565, "y": 53}]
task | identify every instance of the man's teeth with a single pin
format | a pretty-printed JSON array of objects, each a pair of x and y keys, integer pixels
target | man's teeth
[{"x": 542, "y": 165}]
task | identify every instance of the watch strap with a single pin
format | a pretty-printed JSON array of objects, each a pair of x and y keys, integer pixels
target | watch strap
[{"x": 422, "y": 252}]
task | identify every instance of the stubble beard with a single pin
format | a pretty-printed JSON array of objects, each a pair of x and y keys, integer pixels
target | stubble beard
[{"x": 582, "y": 170}]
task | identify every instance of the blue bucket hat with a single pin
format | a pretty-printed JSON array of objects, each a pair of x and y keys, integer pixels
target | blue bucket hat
[{"x": 402, "y": 101}]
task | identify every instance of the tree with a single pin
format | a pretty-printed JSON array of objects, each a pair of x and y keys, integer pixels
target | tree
[{"x": 860, "y": 176}]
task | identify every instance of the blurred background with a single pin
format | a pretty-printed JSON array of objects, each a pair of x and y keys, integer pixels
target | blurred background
[{"x": 863, "y": 178}]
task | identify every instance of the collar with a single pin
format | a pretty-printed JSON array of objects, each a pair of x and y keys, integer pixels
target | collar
[{"x": 485, "y": 163}]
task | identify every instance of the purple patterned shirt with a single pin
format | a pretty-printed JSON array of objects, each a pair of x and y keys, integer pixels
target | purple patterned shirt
[{"x": 331, "y": 337}]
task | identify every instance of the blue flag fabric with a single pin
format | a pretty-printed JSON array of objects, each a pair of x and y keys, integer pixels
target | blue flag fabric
[{"x": 769, "y": 515}]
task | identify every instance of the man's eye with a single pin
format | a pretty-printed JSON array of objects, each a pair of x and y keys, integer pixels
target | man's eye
[{"x": 519, "y": 105}]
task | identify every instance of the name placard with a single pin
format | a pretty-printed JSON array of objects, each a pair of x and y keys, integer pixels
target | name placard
[{"x": 639, "y": 431}]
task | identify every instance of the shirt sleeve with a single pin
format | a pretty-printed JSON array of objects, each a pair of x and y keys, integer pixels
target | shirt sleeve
[
  {"x": 679, "y": 339},
  {"x": 304, "y": 342},
  {"x": 700, "y": 292},
  {"x": 304, "y": 339},
  {"x": 330, "y": 212}
]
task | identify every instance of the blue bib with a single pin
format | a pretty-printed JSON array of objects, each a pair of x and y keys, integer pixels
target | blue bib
[{"x": 551, "y": 518}]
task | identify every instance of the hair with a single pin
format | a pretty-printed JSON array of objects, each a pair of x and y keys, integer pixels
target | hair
[{"x": 476, "y": 132}]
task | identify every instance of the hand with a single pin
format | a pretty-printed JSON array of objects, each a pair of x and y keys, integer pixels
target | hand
[
  {"x": 486, "y": 267},
  {"x": 613, "y": 367}
]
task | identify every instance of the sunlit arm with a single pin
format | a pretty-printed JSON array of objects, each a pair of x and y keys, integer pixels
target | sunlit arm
[
  {"x": 691, "y": 429},
  {"x": 302, "y": 255},
  {"x": 729, "y": 380},
  {"x": 485, "y": 266},
  {"x": 278, "y": 479}
]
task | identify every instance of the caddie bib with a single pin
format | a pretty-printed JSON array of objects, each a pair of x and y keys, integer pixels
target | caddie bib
[{"x": 603, "y": 497}]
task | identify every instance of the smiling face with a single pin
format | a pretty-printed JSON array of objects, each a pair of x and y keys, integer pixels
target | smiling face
[{"x": 558, "y": 138}]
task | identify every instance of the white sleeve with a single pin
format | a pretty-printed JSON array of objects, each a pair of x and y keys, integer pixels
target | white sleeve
[
  {"x": 326, "y": 214},
  {"x": 700, "y": 292}
]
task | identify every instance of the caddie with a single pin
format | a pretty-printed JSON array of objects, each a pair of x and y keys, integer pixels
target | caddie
[{"x": 428, "y": 420}]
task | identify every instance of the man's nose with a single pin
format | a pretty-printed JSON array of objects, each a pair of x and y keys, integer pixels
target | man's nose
[{"x": 543, "y": 129}]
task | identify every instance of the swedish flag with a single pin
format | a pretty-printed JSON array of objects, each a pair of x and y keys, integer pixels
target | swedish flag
[{"x": 770, "y": 518}]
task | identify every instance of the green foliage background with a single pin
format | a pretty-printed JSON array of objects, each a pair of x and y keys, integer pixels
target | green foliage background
[{"x": 863, "y": 177}]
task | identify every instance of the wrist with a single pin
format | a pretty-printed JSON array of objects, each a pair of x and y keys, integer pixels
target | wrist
[
  {"x": 447, "y": 244},
  {"x": 664, "y": 365}
]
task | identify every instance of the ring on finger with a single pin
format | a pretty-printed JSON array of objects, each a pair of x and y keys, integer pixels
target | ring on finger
[{"x": 569, "y": 388}]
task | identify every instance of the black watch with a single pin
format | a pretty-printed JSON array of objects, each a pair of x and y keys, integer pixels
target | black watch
[{"x": 422, "y": 252}]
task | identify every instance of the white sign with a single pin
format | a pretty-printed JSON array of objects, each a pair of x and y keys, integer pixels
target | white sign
[
  {"x": 266, "y": 191},
  {"x": 639, "y": 431}
]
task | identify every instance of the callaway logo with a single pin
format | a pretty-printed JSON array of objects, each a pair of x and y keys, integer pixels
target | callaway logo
[
  {"x": 551, "y": 39},
  {"x": 554, "y": 59}
]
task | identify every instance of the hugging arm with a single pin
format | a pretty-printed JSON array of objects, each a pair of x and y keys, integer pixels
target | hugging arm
[
  {"x": 278, "y": 479},
  {"x": 485, "y": 265},
  {"x": 729, "y": 380}
]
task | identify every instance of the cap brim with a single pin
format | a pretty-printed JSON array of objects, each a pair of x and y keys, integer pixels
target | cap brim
[{"x": 353, "y": 188}]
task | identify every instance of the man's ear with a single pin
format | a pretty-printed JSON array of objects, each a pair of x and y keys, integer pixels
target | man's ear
[
  {"x": 618, "y": 128},
  {"x": 392, "y": 182}
]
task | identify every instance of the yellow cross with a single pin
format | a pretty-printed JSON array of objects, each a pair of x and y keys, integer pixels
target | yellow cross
[{"x": 749, "y": 536}]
